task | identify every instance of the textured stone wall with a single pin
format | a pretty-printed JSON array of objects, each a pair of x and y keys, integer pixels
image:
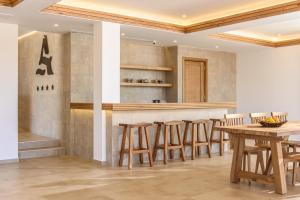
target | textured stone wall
[
  {"x": 44, "y": 112},
  {"x": 221, "y": 73}
]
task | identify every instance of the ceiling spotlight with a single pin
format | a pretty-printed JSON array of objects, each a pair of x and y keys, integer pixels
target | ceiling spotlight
[
  {"x": 217, "y": 46},
  {"x": 184, "y": 16},
  {"x": 123, "y": 34},
  {"x": 56, "y": 25},
  {"x": 175, "y": 41}
]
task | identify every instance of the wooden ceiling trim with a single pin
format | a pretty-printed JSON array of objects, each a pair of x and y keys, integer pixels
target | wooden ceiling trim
[
  {"x": 246, "y": 16},
  {"x": 261, "y": 42},
  {"x": 98, "y": 15},
  {"x": 10, "y": 3},
  {"x": 238, "y": 38}
]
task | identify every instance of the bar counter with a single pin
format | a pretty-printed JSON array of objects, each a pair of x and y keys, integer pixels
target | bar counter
[{"x": 114, "y": 114}]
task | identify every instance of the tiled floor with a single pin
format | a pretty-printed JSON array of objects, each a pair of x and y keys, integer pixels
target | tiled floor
[{"x": 69, "y": 178}]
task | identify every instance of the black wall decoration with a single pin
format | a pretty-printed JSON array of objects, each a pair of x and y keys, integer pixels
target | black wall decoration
[{"x": 45, "y": 60}]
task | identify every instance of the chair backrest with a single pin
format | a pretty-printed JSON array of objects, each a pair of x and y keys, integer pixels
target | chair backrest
[
  {"x": 257, "y": 117},
  {"x": 282, "y": 116},
  {"x": 234, "y": 119}
]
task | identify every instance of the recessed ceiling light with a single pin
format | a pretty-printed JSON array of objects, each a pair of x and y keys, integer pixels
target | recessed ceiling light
[
  {"x": 217, "y": 46},
  {"x": 184, "y": 16},
  {"x": 56, "y": 25},
  {"x": 175, "y": 41},
  {"x": 123, "y": 34}
]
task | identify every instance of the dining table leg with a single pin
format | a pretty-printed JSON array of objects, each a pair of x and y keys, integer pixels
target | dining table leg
[
  {"x": 237, "y": 159},
  {"x": 278, "y": 167}
]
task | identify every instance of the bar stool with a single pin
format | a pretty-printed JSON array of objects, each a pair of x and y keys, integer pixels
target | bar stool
[
  {"x": 131, "y": 150},
  {"x": 168, "y": 145},
  {"x": 196, "y": 141},
  {"x": 222, "y": 140}
]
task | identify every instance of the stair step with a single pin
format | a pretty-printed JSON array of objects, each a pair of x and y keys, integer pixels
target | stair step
[
  {"x": 38, "y": 144},
  {"x": 41, "y": 152}
]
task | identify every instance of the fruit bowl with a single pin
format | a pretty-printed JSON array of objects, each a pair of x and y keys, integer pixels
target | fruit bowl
[{"x": 272, "y": 124}]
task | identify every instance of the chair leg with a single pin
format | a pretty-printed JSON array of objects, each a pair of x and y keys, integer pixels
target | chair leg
[
  {"x": 198, "y": 139},
  {"x": 193, "y": 141},
  {"x": 130, "y": 150},
  {"x": 212, "y": 133},
  {"x": 206, "y": 137},
  {"x": 171, "y": 142},
  {"x": 141, "y": 145},
  {"x": 147, "y": 134},
  {"x": 123, "y": 146},
  {"x": 165, "y": 145},
  {"x": 221, "y": 143},
  {"x": 156, "y": 144},
  {"x": 180, "y": 143},
  {"x": 249, "y": 162},
  {"x": 244, "y": 162},
  {"x": 294, "y": 173}
]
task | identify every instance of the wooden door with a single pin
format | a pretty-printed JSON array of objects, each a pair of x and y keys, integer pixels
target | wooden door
[{"x": 194, "y": 81}]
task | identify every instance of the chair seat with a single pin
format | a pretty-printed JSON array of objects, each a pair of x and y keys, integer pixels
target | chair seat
[
  {"x": 293, "y": 143},
  {"x": 293, "y": 156},
  {"x": 264, "y": 146},
  {"x": 170, "y": 123},
  {"x": 200, "y": 121},
  {"x": 137, "y": 125},
  {"x": 253, "y": 149}
]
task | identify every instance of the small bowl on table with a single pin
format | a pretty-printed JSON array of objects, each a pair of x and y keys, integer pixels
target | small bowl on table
[{"x": 272, "y": 125}]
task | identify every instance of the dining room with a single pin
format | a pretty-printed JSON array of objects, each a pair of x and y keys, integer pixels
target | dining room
[{"x": 141, "y": 100}]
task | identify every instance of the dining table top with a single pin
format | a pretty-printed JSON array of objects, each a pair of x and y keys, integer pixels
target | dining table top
[{"x": 287, "y": 129}]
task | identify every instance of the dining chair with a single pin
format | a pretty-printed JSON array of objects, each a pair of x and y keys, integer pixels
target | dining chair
[
  {"x": 255, "y": 119},
  {"x": 283, "y": 116},
  {"x": 236, "y": 120}
]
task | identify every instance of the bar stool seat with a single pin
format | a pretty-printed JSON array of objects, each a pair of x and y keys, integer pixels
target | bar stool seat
[
  {"x": 131, "y": 150},
  {"x": 222, "y": 140},
  {"x": 196, "y": 141},
  {"x": 168, "y": 145}
]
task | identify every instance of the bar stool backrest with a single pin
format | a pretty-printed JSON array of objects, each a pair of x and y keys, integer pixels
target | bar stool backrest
[
  {"x": 234, "y": 119},
  {"x": 257, "y": 117},
  {"x": 282, "y": 116}
]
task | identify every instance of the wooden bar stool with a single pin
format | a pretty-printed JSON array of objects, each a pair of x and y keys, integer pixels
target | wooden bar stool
[
  {"x": 141, "y": 149},
  {"x": 222, "y": 140},
  {"x": 168, "y": 145},
  {"x": 196, "y": 141}
]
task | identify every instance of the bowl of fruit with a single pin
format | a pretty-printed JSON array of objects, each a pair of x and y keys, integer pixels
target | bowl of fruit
[{"x": 272, "y": 122}]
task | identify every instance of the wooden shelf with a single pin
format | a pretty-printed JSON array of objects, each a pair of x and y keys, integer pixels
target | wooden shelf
[
  {"x": 146, "y": 84},
  {"x": 142, "y": 67}
]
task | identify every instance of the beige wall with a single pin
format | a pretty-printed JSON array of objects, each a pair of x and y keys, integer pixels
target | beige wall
[
  {"x": 140, "y": 53},
  {"x": 44, "y": 112},
  {"x": 221, "y": 73}
]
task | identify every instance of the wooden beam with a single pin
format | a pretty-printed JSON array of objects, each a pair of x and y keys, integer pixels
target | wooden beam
[
  {"x": 103, "y": 16},
  {"x": 10, "y": 3}
]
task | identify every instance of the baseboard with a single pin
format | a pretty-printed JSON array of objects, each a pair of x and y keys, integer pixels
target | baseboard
[{"x": 9, "y": 161}]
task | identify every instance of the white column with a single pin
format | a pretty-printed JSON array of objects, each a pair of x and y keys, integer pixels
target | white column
[
  {"x": 9, "y": 92},
  {"x": 106, "y": 79}
]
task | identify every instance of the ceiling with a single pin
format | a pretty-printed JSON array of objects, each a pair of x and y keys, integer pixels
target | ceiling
[
  {"x": 29, "y": 17},
  {"x": 173, "y": 11}
]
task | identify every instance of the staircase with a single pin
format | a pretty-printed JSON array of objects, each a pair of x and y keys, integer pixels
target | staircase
[{"x": 37, "y": 147}]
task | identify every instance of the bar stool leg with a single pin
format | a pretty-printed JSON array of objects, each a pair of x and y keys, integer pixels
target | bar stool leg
[
  {"x": 212, "y": 132},
  {"x": 185, "y": 135},
  {"x": 207, "y": 140},
  {"x": 198, "y": 139},
  {"x": 130, "y": 151},
  {"x": 141, "y": 144},
  {"x": 171, "y": 141},
  {"x": 165, "y": 145},
  {"x": 156, "y": 144},
  {"x": 180, "y": 143},
  {"x": 123, "y": 146},
  {"x": 193, "y": 141},
  {"x": 147, "y": 134}
]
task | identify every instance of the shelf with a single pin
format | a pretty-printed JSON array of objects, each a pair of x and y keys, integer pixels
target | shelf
[
  {"x": 142, "y": 67},
  {"x": 146, "y": 84}
]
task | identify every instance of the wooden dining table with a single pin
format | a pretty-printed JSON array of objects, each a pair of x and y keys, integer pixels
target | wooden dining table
[{"x": 275, "y": 136}]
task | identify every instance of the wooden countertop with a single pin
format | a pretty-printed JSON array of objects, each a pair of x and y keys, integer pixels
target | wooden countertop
[{"x": 153, "y": 106}]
